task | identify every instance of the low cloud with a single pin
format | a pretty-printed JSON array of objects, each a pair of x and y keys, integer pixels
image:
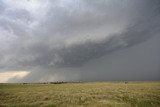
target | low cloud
[{"x": 68, "y": 36}]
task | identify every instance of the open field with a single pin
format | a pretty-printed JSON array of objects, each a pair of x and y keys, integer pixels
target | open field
[{"x": 98, "y": 94}]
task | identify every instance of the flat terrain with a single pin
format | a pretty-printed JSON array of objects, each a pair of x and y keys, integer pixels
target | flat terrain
[{"x": 96, "y": 94}]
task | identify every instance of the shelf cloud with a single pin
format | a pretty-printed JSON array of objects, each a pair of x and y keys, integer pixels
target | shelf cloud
[{"x": 80, "y": 40}]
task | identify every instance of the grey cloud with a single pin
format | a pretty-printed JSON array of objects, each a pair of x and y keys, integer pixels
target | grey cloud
[
  {"x": 41, "y": 53},
  {"x": 139, "y": 62},
  {"x": 19, "y": 14},
  {"x": 74, "y": 34},
  {"x": 2, "y": 6}
]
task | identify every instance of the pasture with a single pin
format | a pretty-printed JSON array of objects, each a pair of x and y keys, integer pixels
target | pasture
[{"x": 91, "y": 94}]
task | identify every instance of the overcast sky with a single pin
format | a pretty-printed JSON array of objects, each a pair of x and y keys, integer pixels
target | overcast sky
[{"x": 79, "y": 40}]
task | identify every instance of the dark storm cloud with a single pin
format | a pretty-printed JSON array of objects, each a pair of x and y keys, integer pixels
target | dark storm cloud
[
  {"x": 66, "y": 35},
  {"x": 44, "y": 55}
]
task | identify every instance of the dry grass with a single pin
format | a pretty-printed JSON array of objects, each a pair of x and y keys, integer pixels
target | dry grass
[{"x": 99, "y": 94}]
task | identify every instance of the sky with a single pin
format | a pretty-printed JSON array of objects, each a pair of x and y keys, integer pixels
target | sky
[{"x": 79, "y": 40}]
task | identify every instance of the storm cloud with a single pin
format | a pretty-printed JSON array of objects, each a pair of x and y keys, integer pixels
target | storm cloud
[{"x": 84, "y": 40}]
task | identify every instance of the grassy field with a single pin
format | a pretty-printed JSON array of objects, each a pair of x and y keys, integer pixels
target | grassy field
[{"x": 98, "y": 94}]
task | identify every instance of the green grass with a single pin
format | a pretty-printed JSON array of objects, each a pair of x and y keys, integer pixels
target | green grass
[{"x": 98, "y": 94}]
